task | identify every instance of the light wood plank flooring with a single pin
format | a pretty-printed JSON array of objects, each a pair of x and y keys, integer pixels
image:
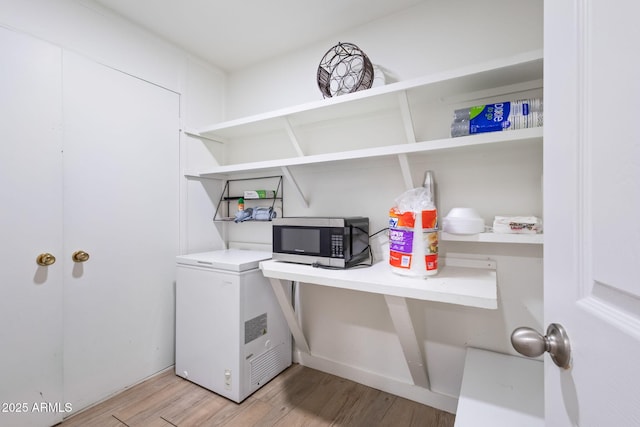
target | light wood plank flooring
[{"x": 299, "y": 396}]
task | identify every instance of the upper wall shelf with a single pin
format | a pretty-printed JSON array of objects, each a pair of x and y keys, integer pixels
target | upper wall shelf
[
  {"x": 279, "y": 139},
  {"x": 509, "y": 137},
  {"x": 504, "y": 72}
]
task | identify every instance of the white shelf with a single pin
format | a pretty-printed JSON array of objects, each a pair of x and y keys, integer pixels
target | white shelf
[
  {"x": 454, "y": 284},
  {"x": 535, "y": 239},
  {"x": 499, "y": 390},
  {"x": 503, "y": 72},
  {"x": 497, "y": 77},
  {"x": 507, "y": 137}
]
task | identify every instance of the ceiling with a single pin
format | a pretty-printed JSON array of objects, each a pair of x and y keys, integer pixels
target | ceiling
[{"x": 233, "y": 34}]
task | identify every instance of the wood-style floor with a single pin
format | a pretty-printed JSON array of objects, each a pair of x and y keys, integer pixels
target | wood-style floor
[{"x": 299, "y": 396}]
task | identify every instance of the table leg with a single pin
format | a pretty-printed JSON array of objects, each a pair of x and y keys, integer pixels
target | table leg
[
  {"x": 290, "y": 315},
  {"x": 404, "y": 328}
]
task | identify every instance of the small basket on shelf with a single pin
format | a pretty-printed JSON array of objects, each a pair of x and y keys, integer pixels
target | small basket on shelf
[{"x": 344, "y": 69}]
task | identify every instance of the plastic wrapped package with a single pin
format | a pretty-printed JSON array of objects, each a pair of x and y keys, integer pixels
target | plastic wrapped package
[
  {"x": 517, "y": 225},
  {"x": 413, "y": 234}
]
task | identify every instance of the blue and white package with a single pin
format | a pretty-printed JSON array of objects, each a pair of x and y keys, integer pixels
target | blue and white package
[{"x": 497, "y": 117}]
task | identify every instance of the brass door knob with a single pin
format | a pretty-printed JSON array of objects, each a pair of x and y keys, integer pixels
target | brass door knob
[
  {"x": 45, "y": 259},
  {"x": 80, "y": 256}
]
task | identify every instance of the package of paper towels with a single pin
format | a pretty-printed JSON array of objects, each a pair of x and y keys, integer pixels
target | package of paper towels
[
  {"x": 517, "y": 224},
  {"x": 413, "y": 234}
]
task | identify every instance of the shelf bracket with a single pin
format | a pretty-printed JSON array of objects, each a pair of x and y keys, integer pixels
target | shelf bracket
[
  {"x": 404, "y": 328},
  {"x": 287, "y": 173},
  {"x": 200, "y": 178},
  {"x": 406, "y": 170},
  {"x": 506, "y": 90},
  {"x": 289, "y": 314},
  {"x": 197, "y": 135},
  {"x": 405, "y": 111},
  {"x": 292, "y": 137}
]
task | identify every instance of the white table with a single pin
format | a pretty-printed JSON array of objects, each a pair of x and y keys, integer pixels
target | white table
[{"x": 468, "y": 282}]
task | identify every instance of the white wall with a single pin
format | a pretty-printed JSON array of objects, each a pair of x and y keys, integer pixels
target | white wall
[
  {"x": 351, "y": 333},
  {"x": 433, "y": 36},
  {"x": 86, "y": 28}
]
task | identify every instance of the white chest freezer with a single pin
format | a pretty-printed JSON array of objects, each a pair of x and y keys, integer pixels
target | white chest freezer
[{"x": 231, "y": 336}]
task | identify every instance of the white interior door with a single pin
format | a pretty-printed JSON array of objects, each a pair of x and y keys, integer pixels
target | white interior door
[
  {"x": 121, "y": 175},
  {"x": 30, "y": 224},
  {"x": 592, "y": 206}
]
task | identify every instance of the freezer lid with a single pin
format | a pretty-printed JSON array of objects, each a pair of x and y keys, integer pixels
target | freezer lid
[{"x": 227, "y": 259}]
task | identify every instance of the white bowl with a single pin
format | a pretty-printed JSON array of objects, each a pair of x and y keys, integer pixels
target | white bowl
[{"x": 463, "y": 221}]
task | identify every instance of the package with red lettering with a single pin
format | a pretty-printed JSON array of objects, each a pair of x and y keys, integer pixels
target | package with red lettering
[{"x": 413, "y": 234}]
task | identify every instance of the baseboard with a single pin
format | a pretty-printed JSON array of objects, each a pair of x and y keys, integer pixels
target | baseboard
[{"x": 379, "y": 382}]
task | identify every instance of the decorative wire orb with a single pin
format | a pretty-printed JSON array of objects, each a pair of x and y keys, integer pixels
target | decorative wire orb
[{"x": 344, "y": 69}]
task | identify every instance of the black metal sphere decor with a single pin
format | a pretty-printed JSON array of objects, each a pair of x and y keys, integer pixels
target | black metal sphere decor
[{"x": 344, "y": 69}]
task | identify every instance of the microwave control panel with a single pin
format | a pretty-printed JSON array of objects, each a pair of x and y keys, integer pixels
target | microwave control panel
[{"x": 337, "y": 248}]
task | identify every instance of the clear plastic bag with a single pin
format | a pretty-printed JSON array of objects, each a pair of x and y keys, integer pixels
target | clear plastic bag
[{"x": 413, "y": 234}]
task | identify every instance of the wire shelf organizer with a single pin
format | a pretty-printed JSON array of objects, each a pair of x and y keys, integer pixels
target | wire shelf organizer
[{"x": 233, "y": 192}]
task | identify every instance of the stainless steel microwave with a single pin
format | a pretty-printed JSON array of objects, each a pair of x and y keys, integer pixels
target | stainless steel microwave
[{"x": 322, "y": 241}]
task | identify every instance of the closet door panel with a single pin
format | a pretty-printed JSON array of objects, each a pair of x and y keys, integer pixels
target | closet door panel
[
  {"x": 30, "y": 224},
  {"x": 121, "y": 163}
]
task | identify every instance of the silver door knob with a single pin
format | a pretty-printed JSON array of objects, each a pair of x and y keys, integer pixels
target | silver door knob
[{"x": 531, "y": 343}]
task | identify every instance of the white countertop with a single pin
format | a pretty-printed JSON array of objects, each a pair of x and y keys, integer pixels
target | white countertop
[{"x": 454, "y": 284}]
